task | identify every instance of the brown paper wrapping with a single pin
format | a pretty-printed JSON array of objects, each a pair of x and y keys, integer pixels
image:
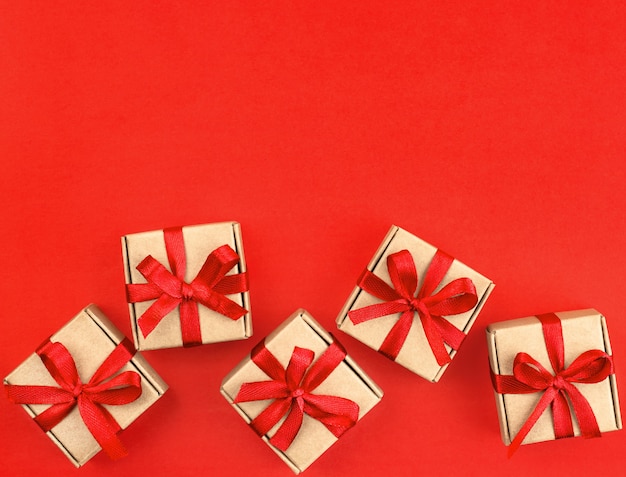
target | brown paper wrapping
[
  {"x": 200, "y": 241},
  {"x": 583, "y": 330},
  {"x": 89, "y": 337},
  {"x": 347, "y": 380},
  {"x": 416, "y": 354}
]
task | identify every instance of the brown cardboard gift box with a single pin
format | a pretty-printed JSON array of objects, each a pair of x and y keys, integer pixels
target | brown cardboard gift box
[
  {"x": 200, "y": 241},
  {"x": 415, "y": 354},
  {"x": 89, "y": 337},
  {"x": 582, "y": 330},
  {"x": 347, "y": 380}
]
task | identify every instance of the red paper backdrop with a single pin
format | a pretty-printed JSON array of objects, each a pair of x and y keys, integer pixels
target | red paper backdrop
[{"x": 496, "y": 132}]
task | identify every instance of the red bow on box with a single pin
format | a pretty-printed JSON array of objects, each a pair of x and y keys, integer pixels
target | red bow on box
[
  {"x": 102, "y": 388},
  {"x": 170, "y": 290},
  {"x": 456, "y": 297},
  {"x": 292, "y": 389},
  {"x": 529, "y": 376}
]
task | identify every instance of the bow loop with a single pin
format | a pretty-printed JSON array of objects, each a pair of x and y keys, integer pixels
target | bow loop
[
  {"x": 590, "y": 367},
  {"x": 531, "y": 372},
  {"x": 300, "y": 361},
  {"x": 325, "y": 364},
  {"x": 376, "y": 286},
  {"x": 59, "y": 364},
  {"x": 456, "y": 297},
  {"x": 402, "y": 272},
  {"x": 160, "y": 277},
  {"x": 122, "y": 389}
]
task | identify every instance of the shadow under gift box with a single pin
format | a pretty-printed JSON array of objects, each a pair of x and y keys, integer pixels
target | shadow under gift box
[
  {"x": 582, "y": 330},
  {"x": 200, "y": 241},
  {"x": 347, "y": 380},
  {"x": 416, "y": 353},
  {"x": 90, "y": 338}
]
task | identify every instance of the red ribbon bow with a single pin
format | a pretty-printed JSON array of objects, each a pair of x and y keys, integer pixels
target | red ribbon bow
[
  {"x": 292, "y": 389},
  {"x": 456, "y": 297},
  {"x": 170, "y": 290},
  {"x": 101, "y": 389},
  {"x": 529, "y": 376}
]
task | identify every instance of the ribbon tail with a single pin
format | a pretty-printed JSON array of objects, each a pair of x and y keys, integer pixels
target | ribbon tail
[
  {"x": 336, "y": 413},
  {"x": 584, "y": 413},
  {"x": 449, "y": 333},
  {"x": 155, "y": 313},
  {"x": 435, "y": 339},
  {"x": 397, "y": 336},
  {"x": 289, "y": 428},
  {"x": 270, "y": 416},
  {"x": 541, "y": 406},
  {"x": 103, "y": 427},
  {"x": 562, "y": 417}
]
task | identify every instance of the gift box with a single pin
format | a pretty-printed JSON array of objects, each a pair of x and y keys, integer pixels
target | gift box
[
  {"x": 187, "y": 286},
  {"x": 83, "y": 385},
  {"x": 299, "y": 391},
  {"x": 415, "y": 304},
  {"x": 553, "y": 377}
]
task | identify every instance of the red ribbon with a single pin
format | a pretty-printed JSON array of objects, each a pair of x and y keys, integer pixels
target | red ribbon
[
  {"x": 529, "y": 376},
  {"x": 456, "y": 297},
  {"x": 170, "y": 290},
  {"x": 102, "y": 388},
  {"x": 292, "y": 389}
]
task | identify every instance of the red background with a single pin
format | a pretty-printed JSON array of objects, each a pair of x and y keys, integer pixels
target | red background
[{"x": 496, "y": 133}]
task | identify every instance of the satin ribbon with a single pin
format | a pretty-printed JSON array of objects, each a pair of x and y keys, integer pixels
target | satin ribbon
[
  {"x": 170, "y": 290},
  {"x": 102, "y": 388},
  {"x": 292, "y": 392},
  {"x": 529, "y": 376},
  {"x": 456, "y": 297}
]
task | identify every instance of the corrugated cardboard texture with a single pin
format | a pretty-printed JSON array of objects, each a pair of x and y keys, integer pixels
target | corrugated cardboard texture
[
  {"x": 347, "y": 381},
  {"x": 583, "y": 330},
  {"x": 200, "y": 241},
  {"x": 89, "y": 337},
  {"x": 416, "y": 354}
]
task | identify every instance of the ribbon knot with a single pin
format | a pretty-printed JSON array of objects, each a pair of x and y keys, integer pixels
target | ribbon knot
[
  {"x": 414, "y": 303},
  {"x": 454, "y": 298},
  {"x": 170, "y": 290},
  {"x": 292, "y": 392},
  {"x": 558, "y": 382},
  {"x": 78, "y": 389},
  {"x": 529, "y": 376},
  {"x": 186, "y": 291},
  {"x": 104, "y": 387}
]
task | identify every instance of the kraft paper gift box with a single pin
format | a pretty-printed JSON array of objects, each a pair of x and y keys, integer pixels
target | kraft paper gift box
[
  {"x": 90, "y": 338},
  {"x": 450, "y": 281},
  {"x": 213, "y": 309},
  {"x": 298, "y": 335},
  {"x": 517, "y": 350}
]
